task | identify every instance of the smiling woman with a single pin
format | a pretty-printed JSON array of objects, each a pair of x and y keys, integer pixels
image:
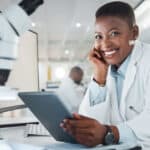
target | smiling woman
[{"x": 119, "y": 80}]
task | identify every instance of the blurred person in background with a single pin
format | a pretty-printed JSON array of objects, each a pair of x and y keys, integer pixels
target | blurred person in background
[{"x": 73, "y": 89}]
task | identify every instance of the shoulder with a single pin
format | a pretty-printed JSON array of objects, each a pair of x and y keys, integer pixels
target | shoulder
[
  {"x": 143, "y": 52},
  {"x": 145, "y": 48},
  {"x": 143, "y": 62}
]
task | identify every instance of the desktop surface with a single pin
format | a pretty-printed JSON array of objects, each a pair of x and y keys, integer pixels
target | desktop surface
[{"x": 16, "y": 138}]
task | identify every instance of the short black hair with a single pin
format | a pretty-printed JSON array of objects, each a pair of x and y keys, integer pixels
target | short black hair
[
  {"x": 117, "y": 9},
  {"x": 76, "y": 69}
]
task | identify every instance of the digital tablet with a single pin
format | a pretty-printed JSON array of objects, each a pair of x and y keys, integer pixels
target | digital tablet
[{"x": 50, "y": 110}]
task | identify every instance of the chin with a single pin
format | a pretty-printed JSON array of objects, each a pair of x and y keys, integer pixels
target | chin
[{"x": 111, "y": 62}]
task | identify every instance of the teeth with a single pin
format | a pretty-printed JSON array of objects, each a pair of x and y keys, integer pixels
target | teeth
[{"x": 110, "y": 52}]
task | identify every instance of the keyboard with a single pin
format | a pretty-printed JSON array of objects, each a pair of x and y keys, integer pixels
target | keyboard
[{"x": 36, "y": 130}]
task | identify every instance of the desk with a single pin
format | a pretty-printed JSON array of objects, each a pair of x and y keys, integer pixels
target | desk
[{"x": 16, "y": 134}]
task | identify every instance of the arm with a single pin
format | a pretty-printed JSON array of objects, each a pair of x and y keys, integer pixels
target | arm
[
  {"x": 97, "y": 94},
  {"x": 97, "y": 90}
]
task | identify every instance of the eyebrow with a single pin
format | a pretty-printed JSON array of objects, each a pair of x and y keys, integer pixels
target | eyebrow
[{"x": 114, "y": 28}]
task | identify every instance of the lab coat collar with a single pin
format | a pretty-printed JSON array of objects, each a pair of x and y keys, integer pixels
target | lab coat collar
[{"x": 121, "y": 71}]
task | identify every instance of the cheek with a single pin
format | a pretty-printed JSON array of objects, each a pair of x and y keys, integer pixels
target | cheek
[
  {"x": 125, "y": 50},
  {"x": 124, "y": 44},
  {"x": 125, "y": 40}
]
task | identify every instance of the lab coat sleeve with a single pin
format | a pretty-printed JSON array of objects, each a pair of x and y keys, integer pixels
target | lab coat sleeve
[
  {"x": 95, "y": 94},
  {"x": 126, "y": 134}
]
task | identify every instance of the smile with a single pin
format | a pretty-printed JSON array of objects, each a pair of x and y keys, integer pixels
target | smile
[{"x": 110, "y": 53}]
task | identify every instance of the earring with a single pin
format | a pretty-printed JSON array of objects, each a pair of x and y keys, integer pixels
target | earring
[{"x": 131, "y": 42}]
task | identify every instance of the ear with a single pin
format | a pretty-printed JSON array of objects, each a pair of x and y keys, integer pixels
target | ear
[{"x": 135, "y": 32}]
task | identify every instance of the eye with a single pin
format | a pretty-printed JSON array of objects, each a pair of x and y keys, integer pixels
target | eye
[
  {"x": 98, "y": 37},
  {"x": 114, "y": 33}
]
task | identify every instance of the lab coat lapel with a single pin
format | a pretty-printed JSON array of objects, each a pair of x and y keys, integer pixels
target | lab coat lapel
[{"x": 130, "y": 76}]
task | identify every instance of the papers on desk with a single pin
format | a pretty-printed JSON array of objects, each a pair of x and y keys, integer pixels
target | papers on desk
[
  {"x": 7, "y": 145},
  {"x": 64, "y": 146}
]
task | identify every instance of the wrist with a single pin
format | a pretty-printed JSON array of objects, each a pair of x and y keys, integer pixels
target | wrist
[
  {"x": 116, "y": 133},
  {"x": 100, "y": 76},
  {"x": 111, "y": 136},
  {"x": 100, "y": 82}
]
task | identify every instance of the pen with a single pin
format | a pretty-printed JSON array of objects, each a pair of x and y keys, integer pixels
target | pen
[{"x": 132, "y": 108}]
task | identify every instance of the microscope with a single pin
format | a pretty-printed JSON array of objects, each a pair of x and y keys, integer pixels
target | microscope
[{"x": 14, "y": 22}]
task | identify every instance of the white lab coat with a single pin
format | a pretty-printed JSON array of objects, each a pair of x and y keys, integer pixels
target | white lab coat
[
  {"x": 72, "y": 94},
  {"x": 135, "y": 94}
]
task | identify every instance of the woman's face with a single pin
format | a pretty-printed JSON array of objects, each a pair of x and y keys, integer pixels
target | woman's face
[{"x": 112, "y": 36}]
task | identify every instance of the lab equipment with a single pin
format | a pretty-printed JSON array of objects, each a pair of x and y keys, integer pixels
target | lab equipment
[{"x": 14, "y": 22}]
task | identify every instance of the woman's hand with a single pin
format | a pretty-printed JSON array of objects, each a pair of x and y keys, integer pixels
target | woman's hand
[
  {"x": 86, "y": 131},
  {"x": 99, "y": 65}
]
